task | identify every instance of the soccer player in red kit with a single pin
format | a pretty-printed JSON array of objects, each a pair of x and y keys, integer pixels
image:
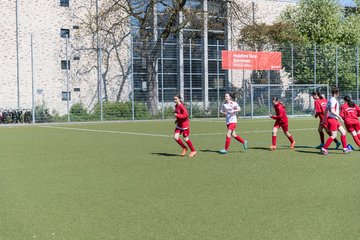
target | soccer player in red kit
[
  {"x": 349, "y": 113},
  {"x": 333, "y": 122},
  {"x": 320, "y": 106},
  {"x": 182, "y": 127},
  {"x": 281, "y": 121},
  {"x": 229, "y": 109}
]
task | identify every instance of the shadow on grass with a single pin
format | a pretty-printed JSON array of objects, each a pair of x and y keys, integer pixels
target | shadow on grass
[
  {"x": 218, "y": 151},
  {"x": 167, "y": 154},
  {"x": 298, "y": 146},
  {"x": 334, "y": 152},
  {"x": 210, "y": 151},
  {"x": 305, "y": 151},
  {"x": 260, "y": 148}
]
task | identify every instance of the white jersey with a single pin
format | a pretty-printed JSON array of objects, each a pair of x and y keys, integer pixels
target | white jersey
[
  {"x": 333, "y": 103},
  {"x": 227, "y": 108}
]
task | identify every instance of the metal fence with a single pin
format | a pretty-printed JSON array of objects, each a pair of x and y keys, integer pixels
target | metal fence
[{"x": 141, "y": 81}]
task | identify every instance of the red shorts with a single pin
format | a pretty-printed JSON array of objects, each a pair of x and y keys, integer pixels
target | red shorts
[
  {"x": 283, "y": 125},
  {"x": 184, "y": 132},
  {"x": 231, "y": 126},
  {"x": 353, "y": 127},
  {"x": 333, "y": 124}
]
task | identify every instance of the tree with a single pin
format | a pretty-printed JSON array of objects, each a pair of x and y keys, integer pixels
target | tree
[
  {"x": 317, "y": 21},
  {"x": 146, "y": 17},
  {"x": 330, "y": 31},
  {"x": 113, "y": 40}
]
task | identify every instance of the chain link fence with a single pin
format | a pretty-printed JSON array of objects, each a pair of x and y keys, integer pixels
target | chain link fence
[{"x": 140, "y": 81}]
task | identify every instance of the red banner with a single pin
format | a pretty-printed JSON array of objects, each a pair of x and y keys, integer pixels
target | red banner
[{"x": 246, "y": 60}]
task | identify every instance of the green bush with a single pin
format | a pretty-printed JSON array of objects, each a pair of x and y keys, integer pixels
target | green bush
[
  {"x": 42, "y": 114},
  {"x": 141, "y": 110},
  {"x": 122, "y": 110},
  {"x": 78, "y": 109}
]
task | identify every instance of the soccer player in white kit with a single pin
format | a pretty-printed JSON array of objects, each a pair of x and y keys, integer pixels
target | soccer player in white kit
[
  {"x": 229, "y": 109},
  {"x": 333, "y": 122}
]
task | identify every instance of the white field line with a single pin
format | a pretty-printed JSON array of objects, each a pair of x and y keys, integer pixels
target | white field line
[
  {"x": 253, "y": 120},
  {"x": 167, "y": 136},
  {"x": 107, "y": 131},
  {"x": 256, "y": 131}
]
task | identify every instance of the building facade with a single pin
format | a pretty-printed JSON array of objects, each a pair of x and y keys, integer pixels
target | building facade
[{"x": 44, "y": 61}]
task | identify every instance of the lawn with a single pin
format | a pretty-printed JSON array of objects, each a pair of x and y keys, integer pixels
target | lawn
[{"x": 125, "y": 180}]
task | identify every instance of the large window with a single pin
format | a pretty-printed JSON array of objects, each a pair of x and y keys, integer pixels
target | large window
[{"x": 184, "y": 62}]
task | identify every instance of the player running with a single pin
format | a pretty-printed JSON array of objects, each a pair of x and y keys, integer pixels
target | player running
[
  {"x": 229, "y": 109},
  {"x": 333, "y": 122},
  {"x": 320, "y": 106},
  {"x": 182, "y": 127},
  {"x": 281, "y": 121},
  {"x": 350, "y": 113}
]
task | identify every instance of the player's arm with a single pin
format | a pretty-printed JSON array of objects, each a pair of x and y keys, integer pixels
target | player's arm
[
  {"x": 184, "y": 112},
  {"x": 236, "y": 109},
  {"x": 223, "y": 110},
  {"x": 357, "y": 110},
  {"x": 317, "y": 109},
  {"x": 342, "y": 112}
]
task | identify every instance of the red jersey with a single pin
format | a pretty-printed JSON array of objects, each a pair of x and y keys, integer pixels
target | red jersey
[
  {"x": 320, "y": 106},
  {"x": 280, "y": 113},
  {"x": 182, "y": 117},
  {"x": 349, "y": 114}
]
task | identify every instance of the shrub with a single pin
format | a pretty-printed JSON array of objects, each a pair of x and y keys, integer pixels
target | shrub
[
  {"x": 78, "y": 109},
  {"x": 42, "y": 114}
]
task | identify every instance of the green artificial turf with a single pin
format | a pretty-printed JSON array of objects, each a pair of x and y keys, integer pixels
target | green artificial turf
[{"x": 125, "y": 180}]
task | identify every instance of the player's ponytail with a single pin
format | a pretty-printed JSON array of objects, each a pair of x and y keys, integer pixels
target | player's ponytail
[
  {"x": 348, "y": 100},
  {"x": 317, "y": 93},
  {"x": 275, "y": 99},
  {"x": 179, "y": 97},
  {"x": 231, "y": 95}
]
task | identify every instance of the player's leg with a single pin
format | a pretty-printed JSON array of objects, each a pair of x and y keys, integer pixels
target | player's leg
[
  {"x": 338, "y": 144},
  {"x": 355, "y": 137},
  {"x": 239, "y": 139},
  {"x": 230, "y": 128},
  {"x": 341, "y": 129},
  {"x": 273, "y": 137},
  {"x": 285, "y": 128},
  {"x": 178, "y": 140},
  {"x": 186, "y": 134},
  {"x": 322, "y": 136},
  {"x": 332, "y": 127}
]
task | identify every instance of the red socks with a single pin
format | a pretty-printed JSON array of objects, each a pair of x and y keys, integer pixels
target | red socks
[
  {"x": 227, "y": 143},
  {"x": 228, "y": 140},
  {"x": 343, "y": 141},
  {"x": 356, "y": 139},
  {"x": 291, "y": 139},
  {"x": 335, "y": 140},
  {"x": 273, "y": 140},
  {"x": 180, "y": 143},
  {"x": 189, "y": 143},
  {"x": 328, "y": 142},
  {"x": 240, "y": 139}
]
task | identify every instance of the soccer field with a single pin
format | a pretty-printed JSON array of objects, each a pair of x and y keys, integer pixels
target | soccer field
[{"x": 125, "y": 180}]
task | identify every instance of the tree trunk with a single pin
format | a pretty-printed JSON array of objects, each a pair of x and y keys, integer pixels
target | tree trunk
[{"x": 152, "y": 91}]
